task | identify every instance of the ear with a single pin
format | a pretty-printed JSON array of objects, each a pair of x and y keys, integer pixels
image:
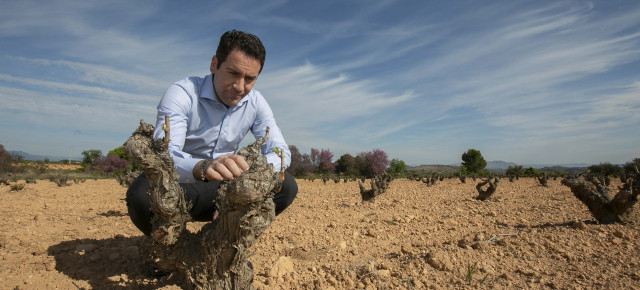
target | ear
[{"x": 214, "y": 64}]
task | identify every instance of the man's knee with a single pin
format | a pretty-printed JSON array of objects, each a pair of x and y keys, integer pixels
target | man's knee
[
  {"x": 138, "y": 204},
  {"x": 287, "y": 194}
]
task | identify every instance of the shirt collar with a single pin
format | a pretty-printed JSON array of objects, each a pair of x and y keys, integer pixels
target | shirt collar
[{"x": 207, "y": 92}]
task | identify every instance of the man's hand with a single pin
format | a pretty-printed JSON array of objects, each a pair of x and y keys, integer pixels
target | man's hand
[{"x": 224, "y": 167}]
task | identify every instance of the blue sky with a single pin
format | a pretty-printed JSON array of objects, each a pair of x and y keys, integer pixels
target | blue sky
[{"x": 521, "y": 81}]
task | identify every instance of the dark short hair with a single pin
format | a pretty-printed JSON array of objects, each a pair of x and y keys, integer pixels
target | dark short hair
[{"x": 245, "y": 42}]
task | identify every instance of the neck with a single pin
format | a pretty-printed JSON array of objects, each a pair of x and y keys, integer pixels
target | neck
[{"x": 216, "y": 93}]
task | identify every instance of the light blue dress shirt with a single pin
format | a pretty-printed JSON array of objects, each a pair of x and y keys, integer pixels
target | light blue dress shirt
[{"x": 201, "y": 127}]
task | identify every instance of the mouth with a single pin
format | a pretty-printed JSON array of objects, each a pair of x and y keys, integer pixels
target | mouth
[{"x": 236, "y": 96}]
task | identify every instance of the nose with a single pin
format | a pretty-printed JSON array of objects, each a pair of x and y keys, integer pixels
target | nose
[{"x": 238, "y": 85}]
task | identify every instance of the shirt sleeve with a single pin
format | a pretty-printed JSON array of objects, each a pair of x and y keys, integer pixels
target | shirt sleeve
[
  {"x": 264, "y": 119},
  {"x": 176, "y": 104}
]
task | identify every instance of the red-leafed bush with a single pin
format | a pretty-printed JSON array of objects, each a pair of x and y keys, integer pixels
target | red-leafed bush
[{"x": 110, "y": 164}]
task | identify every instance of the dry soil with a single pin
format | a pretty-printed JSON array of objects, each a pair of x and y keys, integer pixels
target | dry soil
[{"x": 412, "y": 236}]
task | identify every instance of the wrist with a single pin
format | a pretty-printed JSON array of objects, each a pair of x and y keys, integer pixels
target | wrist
[{"x": 203, "y": 169}]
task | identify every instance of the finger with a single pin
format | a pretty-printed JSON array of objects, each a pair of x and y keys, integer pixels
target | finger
[
  {"x": 211, "y": 174},
  {"x": 241, "y": 162},
  {"x": 223, "y": 171},
  {"x": 231, "y": 165}
]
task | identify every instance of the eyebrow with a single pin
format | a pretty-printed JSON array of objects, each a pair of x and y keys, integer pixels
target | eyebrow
[{"x": 233, "y": 70}]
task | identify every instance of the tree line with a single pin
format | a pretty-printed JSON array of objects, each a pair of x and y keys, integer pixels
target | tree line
[{"x": 365, "y": 164}]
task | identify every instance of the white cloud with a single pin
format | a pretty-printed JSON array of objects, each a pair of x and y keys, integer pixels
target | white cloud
[
  {"x": 102, "y": 75},
  {"x": 47, "y": 110},
  {"x": 317, "y": 98},
  {"x": 83, "y": 91}
]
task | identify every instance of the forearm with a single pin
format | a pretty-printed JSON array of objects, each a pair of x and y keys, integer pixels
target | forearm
[{"x": 175, "y": 104}]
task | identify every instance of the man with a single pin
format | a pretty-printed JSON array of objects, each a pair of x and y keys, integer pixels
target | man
[{"x": 208, "y": 118}]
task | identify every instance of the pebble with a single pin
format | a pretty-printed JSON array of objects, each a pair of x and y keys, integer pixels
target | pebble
[
  {"x": 50, "y": 266},
  {"x": 619, "y": 234},
  {"x": 417, "y": 283},
  {"x": 371, "y": 233},
  {"x": 406, "y": 249},
  {"x": 282, "y": 266},
  {"x": 384, "y": 273},
  {"x": 439, "y": 261},
  {"x": 85, "y": 247}
]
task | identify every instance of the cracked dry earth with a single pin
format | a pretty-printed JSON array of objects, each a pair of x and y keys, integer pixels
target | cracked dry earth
[{"x": 412, "y": 236}]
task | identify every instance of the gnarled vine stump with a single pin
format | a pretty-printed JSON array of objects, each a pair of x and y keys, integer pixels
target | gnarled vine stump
[
  {"x": 215, "y": 257},
  {"x": 595, "y": 194},
  {"x": 543, "y": 180},
  {"x": 379, "y": 185},
  {"x": 463, "y": 179},
  {"x": 484, "y": 194}
]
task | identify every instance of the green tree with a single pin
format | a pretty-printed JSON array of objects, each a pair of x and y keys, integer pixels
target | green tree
[
  {"x": 472, "y": 161},
  {"x": 5, "y": 159},
  {"x": 397, "y": 167},
  {"x": 531, "y": 172},
  {"x": 90, "y": 156},
  {"x": 516, "y": 170},
  {"x": 119, "y": 152},
  {"x": 346, "y": 165},
  {"x": 606, "y": 169},
  {"x": 630, "y": 167}
]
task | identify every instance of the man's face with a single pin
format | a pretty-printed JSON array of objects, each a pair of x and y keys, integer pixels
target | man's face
[{"x": 235, "y": 77}]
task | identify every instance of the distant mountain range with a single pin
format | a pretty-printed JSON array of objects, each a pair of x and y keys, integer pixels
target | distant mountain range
[
  {"x": 31, "y": 157},
  {"x": 504, "y": 165},
  {"x": 501, "y": 166}
]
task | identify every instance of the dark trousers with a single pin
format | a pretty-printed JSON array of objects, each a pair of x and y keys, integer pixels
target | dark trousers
[{"x": 200, "y": 194}]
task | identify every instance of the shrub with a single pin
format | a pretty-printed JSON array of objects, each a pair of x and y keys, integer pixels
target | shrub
[
  {"x": 372, "y": 163},
  {"x": 17, "y": 187},
  {"x": 300, "y": 163},
  {"x": 110, "y": 165},
  {"x": 531, "y": 172},
  {"x": 516, "y": 171},
  {"x": 629, "y": 168},
  {"x": 5, "y": 159},
  {"x": 606, "y": 169}
]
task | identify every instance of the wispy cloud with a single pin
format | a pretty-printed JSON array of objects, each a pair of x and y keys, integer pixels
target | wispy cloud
[
  {"x": 519, "y": 80},
  {"x": 320, "y": 98},
  {"x": 101, "y": 75}
]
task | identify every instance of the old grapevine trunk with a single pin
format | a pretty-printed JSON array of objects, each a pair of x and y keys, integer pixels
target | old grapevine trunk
[
  {"x": 484, "y": 194},
  {"x": 595, "y": 196},
  {"x": 379, "y": 185},
  {"x": 215, "y": 257}
]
